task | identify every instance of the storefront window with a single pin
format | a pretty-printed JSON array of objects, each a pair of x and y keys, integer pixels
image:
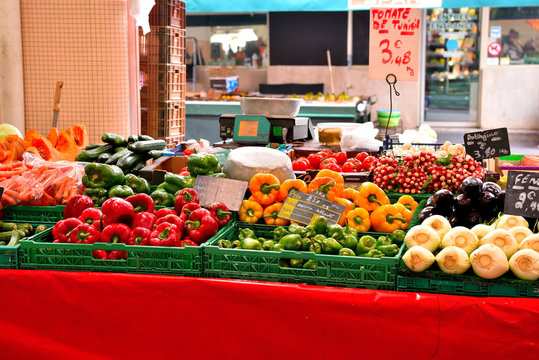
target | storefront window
[
  {"x": 452, "y": 65},
  {"x": 516, "y": 30}
]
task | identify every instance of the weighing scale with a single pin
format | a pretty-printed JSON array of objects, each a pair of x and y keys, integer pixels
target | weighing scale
[{"x": 261, "y": 130}]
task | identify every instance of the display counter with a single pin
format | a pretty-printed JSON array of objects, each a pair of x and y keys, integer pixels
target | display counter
[
  {"x": 61, "y": 315},
  {"x": 202, "y": 117}
]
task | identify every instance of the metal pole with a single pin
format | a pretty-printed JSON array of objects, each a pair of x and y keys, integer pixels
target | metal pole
[{"x": 350, "y": 37}]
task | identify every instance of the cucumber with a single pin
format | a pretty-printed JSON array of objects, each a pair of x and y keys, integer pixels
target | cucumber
[
  {"x": 147, "y": 145},
  {"x": 138, "y": 166},
  {"x": 128, "y": 161},
  {"x": 145, "y": 138},
  {"x": 132, "y": 139},
  {"x": 113, "y": 139},
  {"x": 7, "y": 226},
  {"x": 117, "y": 156},
  {"x": 6, "y": 235},
  {"x": 119, "y": 148},
  {"x": 156, "y": 154},
  {"x": 92, "y": 146},
  {"x": 103, "y": 157},
  {"x": 93, "y": 154}
]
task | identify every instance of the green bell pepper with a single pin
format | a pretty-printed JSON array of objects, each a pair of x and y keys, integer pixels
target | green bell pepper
[
  {"x": 181, "y": 182},
  {"x": 138, "y": 184},
  {"x": 310, "y": 264},
  {"x": 383, "y": 240},
  {"x": 350, "y": 231},
  {"x": 120, "y": 191},
  {"x": 346, "y": 252},
  {"x": 279, "y": 232},
  {"x": 305, "y": 244},
  {"x": 389, "y": 250},
  {"x": 331, "y": 246},
  {"x": 251, "y": 244},
  {"x": 224, "y": 244},
  {"x": 316, "y": 248},
  {"x": 373, "y": 253},
  {"x": 309, "y": 231},
  {"x": 236, "y": 244},
  {"x": 171, "y": 189},
  {"x": 246, "y": 233},
  {"x": 296, "y": 229},
  {"x": 336, "y": 231},
  {"x": 102, "y": 176},
  {"x": 98, "y": 195},
  {"x": 365, "y": 244},
  {"x": 319, "y": 238},
  {"x": 320, "y": 225},
  {"x": 296, "y": 263},
  {"x": 349, "y": 241},
  {"x": 398, "y": 236},
  {"x": 277, "y": 247},
  {"x": 162, "y": 198},
  {"x": 291, "y": 241},
  {"x": 268, "y": 245},
  {"x": 202, "y": 164},
  {"x": 219, "y": 175}
]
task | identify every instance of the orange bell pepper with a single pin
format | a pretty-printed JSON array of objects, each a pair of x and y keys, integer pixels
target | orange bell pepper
[
  {"x": 265, "y": 188},
  {"x": 408, "y": 202},
  {"x": 407, "y": 214},
  {"x": 350, "y": 194},
  {"x": 332, "y": 174},
  {"x": 371, "y": 196},
  {"x": 348, "y": 206},
  {"x": 270, "y": 215},
  {"x": 250, "y": 211},
  {"x": 287, "y": 185},
  {"x": 328, "y": 186},
  {"x": 386, "y": 219},
  {"x": 359, "y": 220}
]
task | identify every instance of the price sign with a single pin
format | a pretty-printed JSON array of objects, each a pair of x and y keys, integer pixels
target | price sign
[
  {"x": 394, "y": 43},
  {"x": 228, "y": 191},
  {"x": 522, "y": 194},
  {"x": 487, "y": 144},
  {"x": 305, "y": 208}
]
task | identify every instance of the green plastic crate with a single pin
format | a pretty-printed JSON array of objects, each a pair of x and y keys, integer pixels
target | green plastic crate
[
  {"x": 9, "y": 255},
  {"x": 36, "y": 214},
  {"x": 332, "y": 270},
  {"x": 39, "y": 253}
]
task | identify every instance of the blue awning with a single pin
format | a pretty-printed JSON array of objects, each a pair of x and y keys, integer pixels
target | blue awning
[{"x": 235, "y": 6}]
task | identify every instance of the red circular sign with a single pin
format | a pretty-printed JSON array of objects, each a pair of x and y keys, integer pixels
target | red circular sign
[{"x": 494, "y": 48}]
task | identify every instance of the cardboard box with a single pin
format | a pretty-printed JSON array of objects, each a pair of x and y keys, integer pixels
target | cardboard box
[
  {"x": 224, "y": 84},
  {"x": 155, "y": 173}
]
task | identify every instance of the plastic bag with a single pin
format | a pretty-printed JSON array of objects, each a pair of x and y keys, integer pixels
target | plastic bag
[{"x": 361, "y": 137}]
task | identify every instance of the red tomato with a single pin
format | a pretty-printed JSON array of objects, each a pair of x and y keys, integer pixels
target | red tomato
[
  {"x": 304, "y": 160},
  {"x": 328, "y": 161},
  {"x": 349, "y": 167},
  {"x": 324, "y": 155},
  {"x": 299, "y": 166},
  {"x": 331, "y": 166},
  {"x": 327, "y": 151},
  {"x": 367, "y": 162},
  {"x": 315, "y": 160},
  {"x": 340, "y": 157},
  {"x": 361, "y": 156}
]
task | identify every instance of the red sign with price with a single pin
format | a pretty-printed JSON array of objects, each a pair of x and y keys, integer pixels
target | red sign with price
[{"x": 394, "y": 43}]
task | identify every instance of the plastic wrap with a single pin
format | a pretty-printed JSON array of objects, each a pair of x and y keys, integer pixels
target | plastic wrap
[
  {"x": 361, "y": 137},
  {"x": 44, "y": 183}
]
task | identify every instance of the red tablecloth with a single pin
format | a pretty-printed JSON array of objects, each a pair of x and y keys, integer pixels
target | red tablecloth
[{"x": 70, "y": 315}]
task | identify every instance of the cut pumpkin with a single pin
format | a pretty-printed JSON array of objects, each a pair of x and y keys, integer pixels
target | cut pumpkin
[
  {"x": 30, "y": 136},
  {"x": 80, "y": 134},
  {"x": 53, "y": 136},
  {"x": 67, "y": 146},
  {"x": 48, "y": 152}
]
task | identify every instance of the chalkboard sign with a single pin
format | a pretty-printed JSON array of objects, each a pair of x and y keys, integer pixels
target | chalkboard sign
[
  {"x": 228, "y": 191},
  {"x": 522, "y": 194},
  {"x": 487, "y": 144},
  {"x": 307, "y": 176},
  {"x": 305, "y": 208}
]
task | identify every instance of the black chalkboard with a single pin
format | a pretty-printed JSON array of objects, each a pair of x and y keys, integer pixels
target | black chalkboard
[
  {"x": 487, "y": 144},
  {"x": 522, "y": 194},
  {"x": 301, "y": 38},
  {"x": 305, "y": 208}
]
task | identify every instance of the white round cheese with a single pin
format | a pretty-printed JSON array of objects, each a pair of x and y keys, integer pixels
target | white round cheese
[{"x": 245, "y": 162}]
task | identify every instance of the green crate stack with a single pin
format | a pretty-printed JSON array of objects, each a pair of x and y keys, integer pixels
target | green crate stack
[
  {"x": 9, "y": 255},
  {"x": 436, "y": 281},
  {"x": 36, "y": 214},
  {"x": 332, "y": 270}
]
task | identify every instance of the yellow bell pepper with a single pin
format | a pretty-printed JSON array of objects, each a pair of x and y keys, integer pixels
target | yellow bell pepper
[
  {"x": 386, "y": 219},
  {"x": 359, "y": 220},
  {"x": 250, "y": 211},
  {"x": 270, "y": 215},
  {"x": 407, "y": 214},
  {"x": 408, "y": 202},
  {"x": 371, "y": 196},
  {"x": 348, "y": 206}
]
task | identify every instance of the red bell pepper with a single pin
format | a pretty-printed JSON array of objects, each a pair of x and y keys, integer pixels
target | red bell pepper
[
  {"x": 100, "y": 254},
  {"x": 314, "y": 160},
  {"x": 98, "y": 225},
  {"x": 340, "y": 157},
  {"x": 185, "y": 196},
  {"x": 84, "y": 234},
  {"x": 187, "y": 242},
  {"x": 62, "y": 230},
  {"x": 90, "y": 215},
  {"x": 116, "y": 233},
  {"x": 220, "y": 213},
  {"x": 171, "y": 219},
  {"x": 117, "y": 210},
  {"x": 201, "y": 226},
  {"x": 76, "y": 205},
  {"x": 117, "y": 255},
  {"x": 188, "y": 152},
  {"x": 139, "y": 236},
  {"x": 165, "y": 234},
  {"x": 184, "y": 172},
  {"x": 187, "y": 209},
  {"x": 163, "y": 212},
  {"x": 144, "y": 220},
  {"x": 141, "y": 203}
]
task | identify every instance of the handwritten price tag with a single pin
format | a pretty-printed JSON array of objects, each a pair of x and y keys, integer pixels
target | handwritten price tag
[
  {"x": 394, "y": 43},
  {"x": 522, "y": 194}
]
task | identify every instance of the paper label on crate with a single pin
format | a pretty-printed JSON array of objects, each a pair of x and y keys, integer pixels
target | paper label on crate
[
  {"x": 228, "y": 191},
  {"x": 522, "y": 194},
  {"x": 305, "y": 208},
  {"x": 487, "y": 144}
]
